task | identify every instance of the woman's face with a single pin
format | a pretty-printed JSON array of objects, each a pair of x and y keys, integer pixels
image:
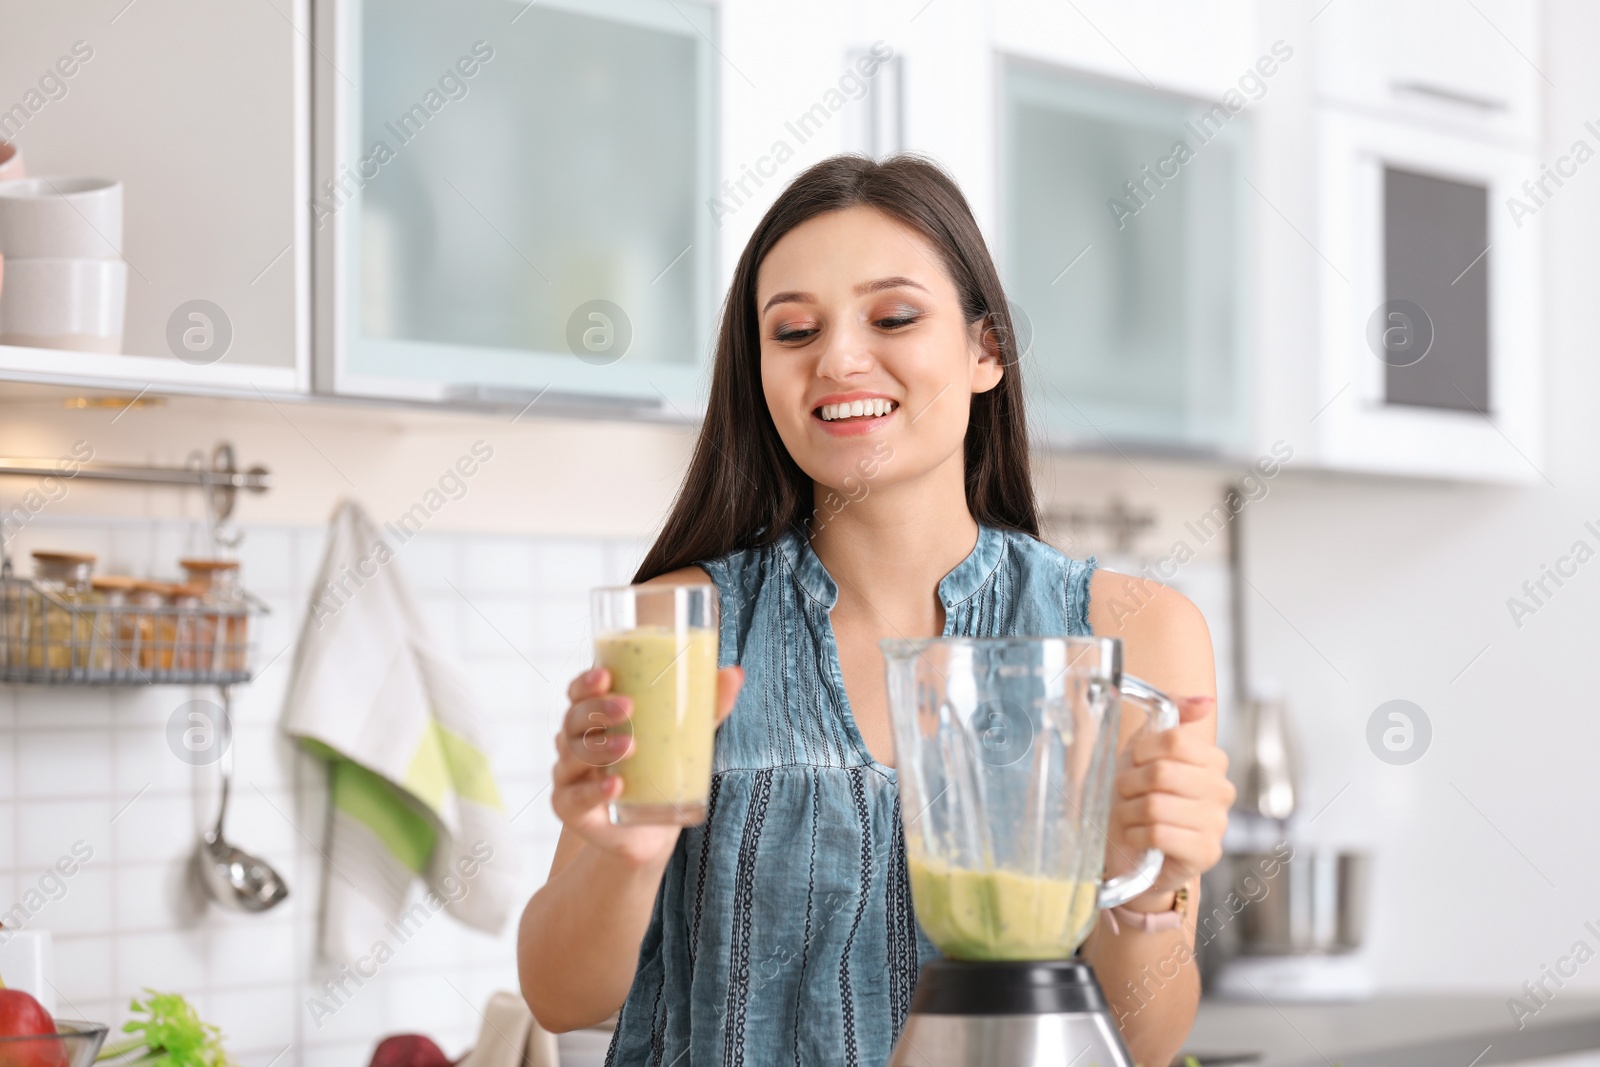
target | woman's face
[{"x": 856, "y": 309}]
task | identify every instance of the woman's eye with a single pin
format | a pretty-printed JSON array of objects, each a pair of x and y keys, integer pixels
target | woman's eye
[
  {"x": 895, "y": 322},
  {"x": 792, "y": 333}
]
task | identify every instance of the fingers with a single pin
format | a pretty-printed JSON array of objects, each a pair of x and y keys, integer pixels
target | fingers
[
  {"x": 729, "y": 681},
  {"x": 1189, "y": 743},
  {"x": 1164, "y": 809},
  {"x": 1192, "y": 850},
  {"x": 591, "y": 683},
  {"x": 600, "y": 712},
  {"x": 595, "y": 749},
  {"x": 1177, "y": 778},
  {"x": 578, "y": 799}
]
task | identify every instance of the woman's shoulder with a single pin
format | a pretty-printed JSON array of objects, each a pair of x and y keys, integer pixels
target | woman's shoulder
[
  {"x": 734, "y": 567},
  {"x": 693, "y": 575},
  {"x": 1122, "y": 605},
  {"x": 1165, "y": 636}
]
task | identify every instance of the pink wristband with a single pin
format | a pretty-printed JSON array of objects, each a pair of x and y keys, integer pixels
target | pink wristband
[{"x": 1145, "y": 920}]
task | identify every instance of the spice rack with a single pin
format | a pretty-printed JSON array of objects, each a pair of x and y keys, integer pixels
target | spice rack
[
  {"x": 52, "y": 636},
  {"x": 47, "y": 639}
]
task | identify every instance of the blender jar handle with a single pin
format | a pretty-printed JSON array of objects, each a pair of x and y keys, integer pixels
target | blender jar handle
[{"x": 1163, "y": 715}]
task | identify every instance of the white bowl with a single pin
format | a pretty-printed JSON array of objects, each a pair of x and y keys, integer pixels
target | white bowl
[
  {"x": 64, "y": 303},
  {"x": 61, "y": 218}
]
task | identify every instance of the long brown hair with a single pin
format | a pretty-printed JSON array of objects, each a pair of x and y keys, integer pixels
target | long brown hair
[{"x": 743, "y": 489}]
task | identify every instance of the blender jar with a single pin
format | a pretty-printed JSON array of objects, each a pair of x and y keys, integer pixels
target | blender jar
[{"x": 1005, "y": 751}]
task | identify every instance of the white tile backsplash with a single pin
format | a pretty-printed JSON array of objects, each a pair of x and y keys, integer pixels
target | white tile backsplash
[
  {"x": 83, "y": 969},
  {"x": 95, "y": 765}
]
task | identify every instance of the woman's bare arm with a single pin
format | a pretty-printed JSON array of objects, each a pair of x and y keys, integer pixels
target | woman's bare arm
[
  {"x": 1173, "y": 794},
  {"x": 578, "y": 943},
  {"x": 579, "y": 940}
]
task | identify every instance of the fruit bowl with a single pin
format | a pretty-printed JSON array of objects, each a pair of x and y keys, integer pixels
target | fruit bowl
[{"x": 74, "y": 1044}]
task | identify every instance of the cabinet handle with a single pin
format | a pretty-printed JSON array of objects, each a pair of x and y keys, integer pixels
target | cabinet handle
[{"x": 1449, "y": 96}]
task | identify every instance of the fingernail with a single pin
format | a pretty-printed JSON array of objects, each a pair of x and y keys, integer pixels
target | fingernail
[
  {"x": 591, "y": 676},
  {"x": 617, "y": 709}
]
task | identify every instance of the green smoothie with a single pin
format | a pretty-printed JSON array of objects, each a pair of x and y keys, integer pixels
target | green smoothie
[
  {"x": 1000, "y": 915},
  {"x": 671, "y": 677}
]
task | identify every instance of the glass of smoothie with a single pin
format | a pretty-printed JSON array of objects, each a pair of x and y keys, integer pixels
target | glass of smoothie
[{"x": 659, "y": 642}]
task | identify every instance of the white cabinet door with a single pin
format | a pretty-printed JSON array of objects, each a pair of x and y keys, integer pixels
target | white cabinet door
[
  {"x": 513, "y": 201},
  {"x": 1465, "y": 67},
  {"x": 200, "y": 109},
  {"x": 1431, "y": 349},
  {"x": 1124, "y": 250},
  {"x": 1199, "y": 47}
]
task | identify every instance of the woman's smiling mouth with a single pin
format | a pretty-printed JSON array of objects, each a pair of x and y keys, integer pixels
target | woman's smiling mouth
[{"x": 854, "y": 413}]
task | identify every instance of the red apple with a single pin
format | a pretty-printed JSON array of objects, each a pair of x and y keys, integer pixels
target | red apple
[
  {"x": 22, "y": 1016},
  {"x": 405, "y": 1050}
]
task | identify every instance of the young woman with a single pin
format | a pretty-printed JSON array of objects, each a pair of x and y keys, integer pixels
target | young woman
[{"x": 781, "y": 930}]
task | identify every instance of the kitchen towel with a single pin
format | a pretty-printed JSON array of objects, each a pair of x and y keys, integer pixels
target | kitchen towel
[{"x": 411, "y": 791}]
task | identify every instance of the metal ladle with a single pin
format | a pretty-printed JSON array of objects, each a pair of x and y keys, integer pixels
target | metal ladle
[{"x": 233, "y": 877}]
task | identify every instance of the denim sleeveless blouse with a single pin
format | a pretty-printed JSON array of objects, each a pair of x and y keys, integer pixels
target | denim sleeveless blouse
[{"x": 783, "y": 932}]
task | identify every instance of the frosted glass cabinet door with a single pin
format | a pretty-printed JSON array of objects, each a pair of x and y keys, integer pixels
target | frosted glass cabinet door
[
  {"x": 519, "y": 199},
  {"x": 1123, "y": 250}
]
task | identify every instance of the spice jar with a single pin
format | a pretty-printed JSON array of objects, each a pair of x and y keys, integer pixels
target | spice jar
[
  {"x": 59, "y": 623},
  {"x": 188, "y": 643},
  {"x": 115, "y": 629},
  {"x": 155, "y": 628},
  {"x": 12, "y": 591},
  {"x": 223, "y": 628}
]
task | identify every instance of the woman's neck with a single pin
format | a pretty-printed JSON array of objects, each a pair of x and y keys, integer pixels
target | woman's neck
[{"x": 888, "y": 550}]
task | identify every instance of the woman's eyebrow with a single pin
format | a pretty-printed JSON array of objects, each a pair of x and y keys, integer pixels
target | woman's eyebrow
[
  {"x": 896, "y": 282},
  {"x": 794, "y": 296}
]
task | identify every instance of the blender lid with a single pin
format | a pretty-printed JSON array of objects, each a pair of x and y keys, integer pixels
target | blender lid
[{"x": 1011, "y": 987}]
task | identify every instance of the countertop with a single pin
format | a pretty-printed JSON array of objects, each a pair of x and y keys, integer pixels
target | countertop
[{"x": 1387, "y": 1031}]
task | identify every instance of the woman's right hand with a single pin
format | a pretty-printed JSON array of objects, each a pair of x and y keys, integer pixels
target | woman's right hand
[{"x": 586, "y": 753}]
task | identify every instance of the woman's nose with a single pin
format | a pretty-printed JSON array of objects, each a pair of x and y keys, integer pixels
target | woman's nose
[{"x": 848, "y": 352}]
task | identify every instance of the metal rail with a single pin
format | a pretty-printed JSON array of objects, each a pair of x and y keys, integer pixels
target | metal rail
[{"x": 223, "y": 479}]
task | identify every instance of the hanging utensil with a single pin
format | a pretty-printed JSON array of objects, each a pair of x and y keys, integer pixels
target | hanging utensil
[
  {"x": 233, "y": 877},
  {"x": 1264, "y": 773}
]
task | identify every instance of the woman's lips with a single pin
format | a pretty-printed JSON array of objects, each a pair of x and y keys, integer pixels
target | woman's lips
[{"x": 852, "y": 425}]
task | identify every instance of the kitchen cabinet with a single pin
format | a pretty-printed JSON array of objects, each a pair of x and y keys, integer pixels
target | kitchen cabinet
[
  {"x": 199, "y": 109},
  {"x": 1124, "y": 248},
  {"x": 512, "y": 201},
  {"x": 1431, "y": 322},
  {"x": 1469, "y": 69},
  {"x": 1200, "y": 50}
]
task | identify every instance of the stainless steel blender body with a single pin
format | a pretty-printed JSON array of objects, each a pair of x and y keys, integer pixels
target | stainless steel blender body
[{"x": 969, "y": 1014}]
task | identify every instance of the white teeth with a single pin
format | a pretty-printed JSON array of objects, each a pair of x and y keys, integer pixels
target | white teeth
[{"x": 856, "y": 409}]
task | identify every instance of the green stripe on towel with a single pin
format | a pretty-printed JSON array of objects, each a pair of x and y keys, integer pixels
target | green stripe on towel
[
  {"x": 444, "y": 762},
  {"x": 385, "y": 810}
]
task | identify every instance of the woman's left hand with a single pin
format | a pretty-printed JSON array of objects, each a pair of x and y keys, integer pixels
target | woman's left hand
[{"x": 1173, "y": 794}]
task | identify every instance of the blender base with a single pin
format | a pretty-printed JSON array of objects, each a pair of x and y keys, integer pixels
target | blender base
[
  {"x": 1082, "y": 1040},
  {"x": 982, "y": 1014}
]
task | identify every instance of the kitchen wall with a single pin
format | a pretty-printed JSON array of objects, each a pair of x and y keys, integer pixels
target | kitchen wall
[
  {"x": 96, "y": 766},
  {"x": 1368, "y": 591}
]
